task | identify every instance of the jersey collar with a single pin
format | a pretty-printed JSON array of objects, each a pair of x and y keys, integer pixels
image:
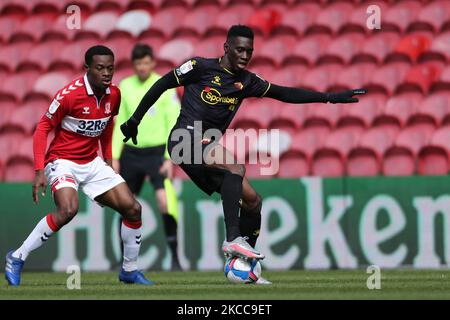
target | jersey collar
[{"x": 89, "y": 89}]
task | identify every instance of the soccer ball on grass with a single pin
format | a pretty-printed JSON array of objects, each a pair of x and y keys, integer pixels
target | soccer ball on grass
[{"x": 238, "y": 270}]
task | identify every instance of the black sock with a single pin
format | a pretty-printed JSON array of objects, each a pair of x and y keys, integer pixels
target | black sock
[
  {"x": 250, "y": 224},
  {"x": 170, "y": 228},
  {"x": 231, "y": 192}
]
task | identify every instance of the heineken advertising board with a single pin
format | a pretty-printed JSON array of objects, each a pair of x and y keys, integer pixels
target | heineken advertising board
[{"x": 309, "y": 223}]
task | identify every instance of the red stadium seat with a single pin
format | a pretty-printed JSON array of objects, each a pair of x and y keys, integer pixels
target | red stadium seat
[
  {"x": 321, "y": 77},
  {"x": 366, "y": 110},
  {"x": 387, "y": 78},
  {"x": 19, "y": 171},
  {"x": 9, "y": 142},
  {"x": 441, "y": 138},
  {"x": 289, "y": 118},
  {"x": 329, "y": 113},
  {"x": 362, "y": 161},
  {"x": 402, "y": 106},
  {"x": 308, "y": 50},
  {"x": 401, "y": 15},
  {"x": 441, "y": 45},
  {"x": 134, "y": 22},
  {"x": 343, "y": 139},
  {"x": 355, "y": 76},
  {"x": 379, "y": 138},
  {"x": 16, "y": 7},
  {"x": 19, "y": 84},
  {"x": 342, "y": 49},
  {"x": 431, "y": 17},
  {"x": 398, "y": 161},
  {"x": 166, "y": 21},
  {"x": 71, "y": 55},
  {"x": 443, "y": 83},
  {"x": 101, "y": 23},
  {"x": 293, "y": 164},
  {"x": 13, "y": 54},
  {"x": 412, "y": 138},
  {"x": 327, "y": 163},
  {"x": 258, "y": 111},
  {"x": 288, "y": 76},
  {"x": 175, "y": 52},
  {"x": 331, "y": 19},
  {"x": 24, "y": 149},
  {"x": 433, "y": 160},
  {"x": 211, "y": 47},
  {"x": 377, "y": 47},
  {"x": 412, "y": 46},
  {"x": 298, "y": 19},
  {"x": 6, "y": 109},
  {"x": 420, "y": 78},
  {"x": 264, "y": 20},
  {"x": 274, "y": 50},
  {"x": 308, "y": 140},
  {"x": 122, "y": 50},
  {"x": 27, "y": 117},
  {"x": 236, "y": 14},
  {"x": 41, "y": 56},
  {"x": 197, "y": 22},
  {"x": 50, "y": 83},
  {"x": 8, "y": 24},
  {"x": 436, "y": 106},
  {"x": 33, "y": 28}
]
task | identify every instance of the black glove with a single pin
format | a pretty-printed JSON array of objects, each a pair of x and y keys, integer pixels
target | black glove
[
  {"x": 130, "y": 130},
  {"x": 345, "y": 96}
]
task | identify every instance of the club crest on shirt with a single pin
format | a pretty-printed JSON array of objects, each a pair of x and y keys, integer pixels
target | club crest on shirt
[
  {"x": 108, "y": 108},
  {"x": 216, "y": 80}
]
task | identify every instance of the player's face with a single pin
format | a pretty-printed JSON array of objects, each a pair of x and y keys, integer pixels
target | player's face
[
  {"x": 101, "y": 71},
  {"x": 239, "y": 52},
  {"x": 143, "y": 67}
]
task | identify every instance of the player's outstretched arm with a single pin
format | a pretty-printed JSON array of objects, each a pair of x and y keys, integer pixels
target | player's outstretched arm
[
  {"x": 129, "y": 128},
  {"x": 299, "y": 95}
]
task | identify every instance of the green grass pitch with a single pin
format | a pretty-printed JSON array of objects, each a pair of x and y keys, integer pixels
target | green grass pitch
[{"x": 193, "y": 285}]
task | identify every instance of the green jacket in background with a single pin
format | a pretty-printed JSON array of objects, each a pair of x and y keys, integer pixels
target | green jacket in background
[{"x": 155, "y": 127}]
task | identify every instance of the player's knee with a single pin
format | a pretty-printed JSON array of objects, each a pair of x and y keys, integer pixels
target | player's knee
[
  {"x": 66, "y": 213},
  {"x": 133, "y": 213}
]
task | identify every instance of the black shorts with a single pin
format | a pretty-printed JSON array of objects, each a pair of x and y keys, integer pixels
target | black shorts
[
  {"x": 138, "y": 163},
  {"x": 207, "y": 178}
]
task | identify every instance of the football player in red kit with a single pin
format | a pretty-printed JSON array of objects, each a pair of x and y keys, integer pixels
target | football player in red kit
[{"x": 81, "y": 114}]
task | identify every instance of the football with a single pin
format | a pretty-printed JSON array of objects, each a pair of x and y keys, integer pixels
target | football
[{"x": 238, "y": 270}]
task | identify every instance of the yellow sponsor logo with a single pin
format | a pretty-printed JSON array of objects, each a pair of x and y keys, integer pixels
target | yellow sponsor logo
[{"x": 213, "y": 96}]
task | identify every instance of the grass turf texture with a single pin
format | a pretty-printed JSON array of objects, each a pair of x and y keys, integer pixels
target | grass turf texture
[{"x": 288, "y": 285}]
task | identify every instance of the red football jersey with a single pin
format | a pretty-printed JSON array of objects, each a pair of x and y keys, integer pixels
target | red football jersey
[{"x": 80, "y": 121}]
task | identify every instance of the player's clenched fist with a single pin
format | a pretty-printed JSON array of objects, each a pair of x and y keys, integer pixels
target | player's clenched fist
[
  {"x": 130, "y": 130},
  {"x": 345, "y": 96}
]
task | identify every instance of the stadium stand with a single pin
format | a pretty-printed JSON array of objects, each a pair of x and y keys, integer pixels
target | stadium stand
[{"x": 400, "y": 128}]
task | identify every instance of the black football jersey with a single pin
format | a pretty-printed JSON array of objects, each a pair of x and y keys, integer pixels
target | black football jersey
[{"x": 213, "y": 94}]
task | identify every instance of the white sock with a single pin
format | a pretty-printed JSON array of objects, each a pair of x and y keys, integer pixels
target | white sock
[
  {"x": 131, "y": 238},
  {"x": 37, "y": 237}
]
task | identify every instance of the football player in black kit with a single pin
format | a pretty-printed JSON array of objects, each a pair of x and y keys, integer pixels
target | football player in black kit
[{"x": 213, "y": 92}]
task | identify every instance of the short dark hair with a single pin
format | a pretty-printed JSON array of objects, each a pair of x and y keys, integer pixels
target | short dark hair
[
  {"x": 140, "y": 51},
  {"x": 240, "y": 30},
  {"x": 97, "y": 50}
]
